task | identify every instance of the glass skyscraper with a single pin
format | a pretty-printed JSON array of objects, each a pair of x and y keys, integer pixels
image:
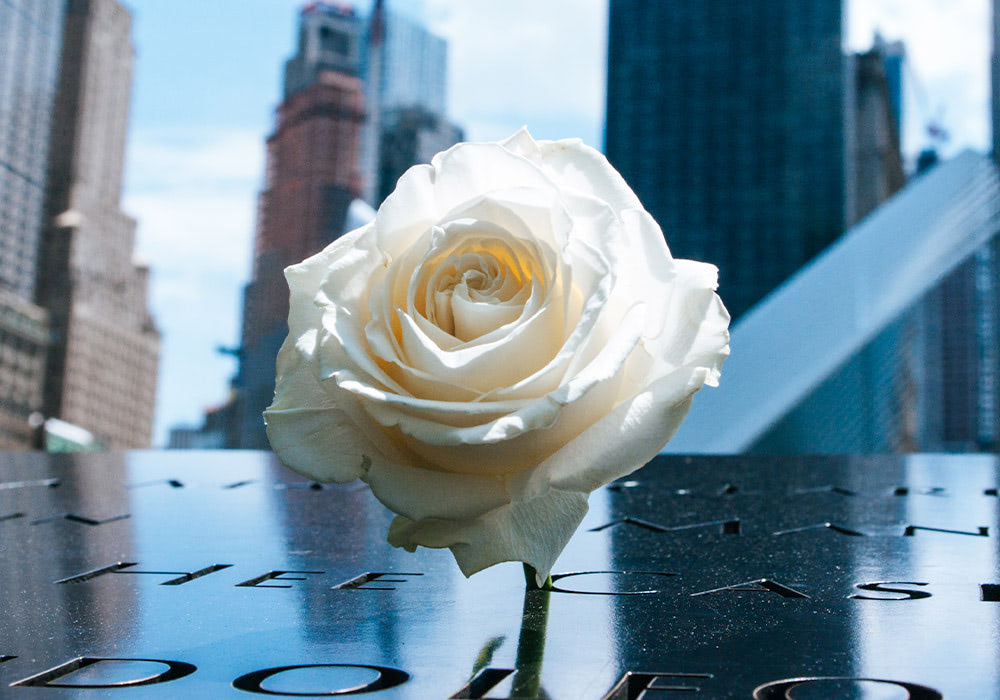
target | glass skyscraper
[
  {"x": 413, "y": 66},
  {"x": 728, "y": 119},
  {"x": 30, "y": 41},
  {"x": 405, "y": 69},
  {"x": 30, "y": 46}
]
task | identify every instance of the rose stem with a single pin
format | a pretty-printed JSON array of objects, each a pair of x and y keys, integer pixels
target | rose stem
[
  {"x": 531, "y": 641},
  {"x": 531, "y": 579}
]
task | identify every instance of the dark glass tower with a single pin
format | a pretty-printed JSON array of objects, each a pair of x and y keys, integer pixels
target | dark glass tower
[{"x": 728, "y": 118}]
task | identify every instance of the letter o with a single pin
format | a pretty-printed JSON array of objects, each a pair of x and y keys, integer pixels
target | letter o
[{"x": 387, "y": 678}]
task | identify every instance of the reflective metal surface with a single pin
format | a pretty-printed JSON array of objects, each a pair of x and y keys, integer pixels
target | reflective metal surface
[{"x": 221, "y": 574}]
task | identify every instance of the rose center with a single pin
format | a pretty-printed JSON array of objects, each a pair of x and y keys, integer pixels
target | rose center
[{"x": 475, "y": 291}]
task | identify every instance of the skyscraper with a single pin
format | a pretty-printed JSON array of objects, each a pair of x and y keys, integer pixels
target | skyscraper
[
  {"x": 312, "y": 175},
  {"x": 893, "y": 55},
  {"x": 875, "y": 162},
  {"x": 102, "y": 361},
  {"x": 729, "y": 119},
  {"x": 31, "y": 38},
  {"x": 405, "y": 72},
  {"x": 410, "y": 135}
]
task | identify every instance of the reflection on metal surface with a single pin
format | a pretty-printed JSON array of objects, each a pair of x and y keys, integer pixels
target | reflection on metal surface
[{"x": 276, "y": 587}]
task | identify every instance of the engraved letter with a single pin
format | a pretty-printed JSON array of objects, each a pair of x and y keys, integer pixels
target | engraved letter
[
  {"x": 779, "y": 690},
  {"x": 387, "y": 678},
  {"x": 174, "y": 670},
  {"x": 761, "y": 585},
  {"x": 634, "y": 684},
  {"x": 258, "y": 582},
  {"x": 883, "y": 587},
  {"x": 358, "y": 582},
  {"x": 120, "y": 568}
]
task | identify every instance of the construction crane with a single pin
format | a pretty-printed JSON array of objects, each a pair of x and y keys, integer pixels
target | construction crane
[{"x": 934, "y": 129}]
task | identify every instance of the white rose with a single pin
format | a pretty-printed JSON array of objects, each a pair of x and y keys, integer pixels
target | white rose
[{"x": 509, "y": 334}]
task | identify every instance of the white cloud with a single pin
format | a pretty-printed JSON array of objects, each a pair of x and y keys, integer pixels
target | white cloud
[
  {"x": 521, "y": 61},
  {"x": 192, "y": 157}
]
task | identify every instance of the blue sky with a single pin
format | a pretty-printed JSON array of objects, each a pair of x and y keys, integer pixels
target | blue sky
[{"x": 207, "y": 80}]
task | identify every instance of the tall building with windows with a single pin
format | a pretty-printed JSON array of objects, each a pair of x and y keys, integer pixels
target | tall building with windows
[
  {"x": 30, "y": 44},
  {"x": 410, "y": 135},
  {"x": 312, "y": 175},
  {"x": 405, "y": 73},
  {"x": 102, "y": 361},
  {"x": 413, "y": 66},
  {"x": 730, "y": 121},
  {"x": 351, "y": 79},
  {"x": 31, "y": 38}
]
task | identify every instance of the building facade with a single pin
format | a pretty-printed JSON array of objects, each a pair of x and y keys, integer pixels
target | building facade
[
  {"x": 102, "y": 362},
  {"x": 31, "y": 37},
  {"x": 411, "y": 135},
  {"x": 24, "y": 339},
  {"x": 405, "y": 71},
  {"x": 730, "y": 122},
  {"x": 875, "y": 162},
  {"x": 312, "y": 175}
]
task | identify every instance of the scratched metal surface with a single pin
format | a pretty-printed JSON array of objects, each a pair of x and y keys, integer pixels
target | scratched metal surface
[{"x": 729, "y": 575}]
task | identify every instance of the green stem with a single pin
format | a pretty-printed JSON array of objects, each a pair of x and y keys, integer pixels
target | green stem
[
  {"x": 531, "y": 579},
  {"x": 531, "y": 641}
]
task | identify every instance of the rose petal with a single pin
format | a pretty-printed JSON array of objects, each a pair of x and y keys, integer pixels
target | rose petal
[
  {"x": 423, "y": 493},
  {"x": 476, "y": 319},
  {"x": 466, "y": 172},
  {"x": 306, "y": 429},
  {"x": 620, "y": 442},
  {"x": 448, "y": 413},
  {"x": 693, "y": 328},
  {"x": 524, "y": 437},
  {"x": 487, "y": 366},
  {"x": 408, "y": 212},
  {"x": 534, "y": 532},
  {"x": 576, "y": 165}
]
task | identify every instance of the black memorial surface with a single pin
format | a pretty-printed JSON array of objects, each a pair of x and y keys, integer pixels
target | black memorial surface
[{"x": 222, "y": 574}]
